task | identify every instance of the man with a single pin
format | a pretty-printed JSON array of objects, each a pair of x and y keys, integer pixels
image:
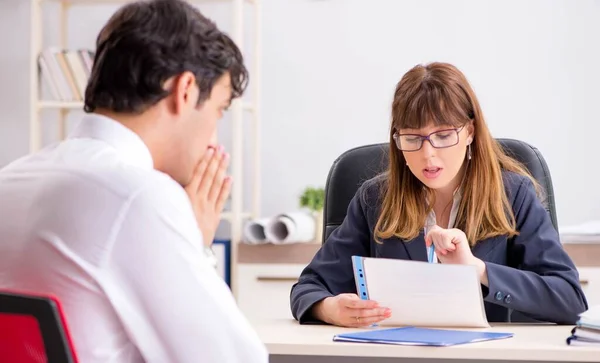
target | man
[{"x": 113, "y": 220}]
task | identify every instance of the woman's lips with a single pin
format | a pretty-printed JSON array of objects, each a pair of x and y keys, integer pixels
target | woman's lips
[{"x": 432, "y": 172}]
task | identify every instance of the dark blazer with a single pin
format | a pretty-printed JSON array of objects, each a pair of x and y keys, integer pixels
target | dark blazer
[{"x": 531, "y": 277}]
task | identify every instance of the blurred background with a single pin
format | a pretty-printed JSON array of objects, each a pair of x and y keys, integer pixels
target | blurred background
[{"x": 328, "y": 69}]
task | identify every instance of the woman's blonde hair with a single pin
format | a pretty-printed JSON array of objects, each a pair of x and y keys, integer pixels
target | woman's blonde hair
[{"x": 439, "y": 93}]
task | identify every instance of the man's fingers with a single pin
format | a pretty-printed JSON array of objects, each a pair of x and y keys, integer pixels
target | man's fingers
[
  {"x": 200, "y": 169},
  {"x": 217, "y": 184},
  {"x": 224, "y": 194},
  {"x": 209, "y": 175}
]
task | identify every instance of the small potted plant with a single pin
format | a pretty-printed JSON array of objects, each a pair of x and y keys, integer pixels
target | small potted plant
[{"x": 313, "y": 199}]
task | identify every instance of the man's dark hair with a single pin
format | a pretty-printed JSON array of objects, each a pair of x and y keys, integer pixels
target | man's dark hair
[{"x": 145, "y": 43}]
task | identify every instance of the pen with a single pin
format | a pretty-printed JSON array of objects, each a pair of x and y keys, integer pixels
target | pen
[{"x": 430, "y": 251}]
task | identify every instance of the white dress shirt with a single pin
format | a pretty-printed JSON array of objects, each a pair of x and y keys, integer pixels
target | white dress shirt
[{"x": 92, "y": 222}]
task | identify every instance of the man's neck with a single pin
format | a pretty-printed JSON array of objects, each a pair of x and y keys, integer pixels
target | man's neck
[{"x": 145, "y": 126}]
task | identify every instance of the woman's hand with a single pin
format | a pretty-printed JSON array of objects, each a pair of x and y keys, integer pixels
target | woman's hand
[
  {"x": 350, "y": 311},
  {"x": 452, "y": 247}
]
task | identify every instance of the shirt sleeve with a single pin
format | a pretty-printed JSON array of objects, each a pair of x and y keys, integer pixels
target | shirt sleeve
[{"x": 173, "y": 304}]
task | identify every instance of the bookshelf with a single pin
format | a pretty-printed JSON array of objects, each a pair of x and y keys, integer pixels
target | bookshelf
[{"x": 240, "y": 110}]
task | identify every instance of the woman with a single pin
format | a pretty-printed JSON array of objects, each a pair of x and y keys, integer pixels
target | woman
[{"x": 448, "y": 185}]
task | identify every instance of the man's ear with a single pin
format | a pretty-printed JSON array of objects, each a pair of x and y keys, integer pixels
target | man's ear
[{"x": 185, "y": 92}]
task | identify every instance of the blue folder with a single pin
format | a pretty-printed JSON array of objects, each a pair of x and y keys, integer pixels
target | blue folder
[{"x": 420, "y": 336}]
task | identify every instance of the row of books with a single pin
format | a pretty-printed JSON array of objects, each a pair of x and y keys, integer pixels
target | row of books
[{"x": 66, "y": 72}]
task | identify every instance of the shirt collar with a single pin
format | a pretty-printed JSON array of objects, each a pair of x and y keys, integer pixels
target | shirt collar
[
  {"x": 431, "y": 218},
  {"x": 127, "y": 143}
]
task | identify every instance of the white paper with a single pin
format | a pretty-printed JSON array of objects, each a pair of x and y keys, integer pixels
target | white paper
[
  {"x": 426, "y": 294},
  {"x": 254, "y": 231},
  {"x": 591, "y": 315},
  {"x": 291, "y": 227}
]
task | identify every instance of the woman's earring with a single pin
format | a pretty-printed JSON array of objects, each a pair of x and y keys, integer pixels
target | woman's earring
[{"x": 469, "y": 152}]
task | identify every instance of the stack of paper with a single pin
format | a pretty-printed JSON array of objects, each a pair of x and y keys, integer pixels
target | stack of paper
[{"x": 587, "y": 330}]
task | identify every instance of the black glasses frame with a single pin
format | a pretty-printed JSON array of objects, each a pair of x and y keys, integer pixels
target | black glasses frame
[{"x": 397, "y": 135}]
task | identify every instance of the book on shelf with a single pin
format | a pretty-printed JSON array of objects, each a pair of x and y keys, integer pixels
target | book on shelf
[{"x": 65, "y": 72}]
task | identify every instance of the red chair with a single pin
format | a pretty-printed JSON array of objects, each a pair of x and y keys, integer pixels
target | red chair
[{"x": 33, "y": 330}]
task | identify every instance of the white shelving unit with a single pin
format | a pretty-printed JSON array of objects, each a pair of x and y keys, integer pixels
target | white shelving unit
[{"x": 236, "y": 215}]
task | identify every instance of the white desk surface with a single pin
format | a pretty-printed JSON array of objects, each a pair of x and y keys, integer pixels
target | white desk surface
[{"x": 529, "y": 343}]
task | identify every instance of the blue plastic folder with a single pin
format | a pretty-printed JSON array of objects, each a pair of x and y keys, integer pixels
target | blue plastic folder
[{"x": 420, "y": 336}]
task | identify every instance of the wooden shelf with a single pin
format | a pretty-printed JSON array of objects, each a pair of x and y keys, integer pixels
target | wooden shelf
[
  {"x": 228, "y": 216},
  {"x": 294, "y": 253},
  {"x": 583, "y": 254}
]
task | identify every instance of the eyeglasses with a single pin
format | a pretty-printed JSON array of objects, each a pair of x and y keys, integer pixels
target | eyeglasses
[{"x": 439, "y": 139}]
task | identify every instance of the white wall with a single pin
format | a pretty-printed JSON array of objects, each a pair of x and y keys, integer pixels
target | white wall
[
  {"x": 330, "y": 67},
  {"x": 14, "y": 79}
]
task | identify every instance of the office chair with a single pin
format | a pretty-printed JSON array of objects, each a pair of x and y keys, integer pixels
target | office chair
[
  {"x": 33, "y": 330},
  {"x": 359, "y": 164}
]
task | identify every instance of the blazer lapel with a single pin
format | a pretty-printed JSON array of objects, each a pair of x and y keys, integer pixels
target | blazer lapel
[{"x": 416, "y": 248}]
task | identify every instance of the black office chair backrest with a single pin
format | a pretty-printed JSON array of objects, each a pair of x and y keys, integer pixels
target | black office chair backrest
[{"x": 357, "y": 165}]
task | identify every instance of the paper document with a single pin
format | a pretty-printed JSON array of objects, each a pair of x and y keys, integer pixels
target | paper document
[
  {"x": 422, "y": 294},
  {"x": 591, "y": 316}
]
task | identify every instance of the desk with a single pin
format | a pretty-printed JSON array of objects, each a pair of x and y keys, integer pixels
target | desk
[{"x": 289, "y": 342}]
